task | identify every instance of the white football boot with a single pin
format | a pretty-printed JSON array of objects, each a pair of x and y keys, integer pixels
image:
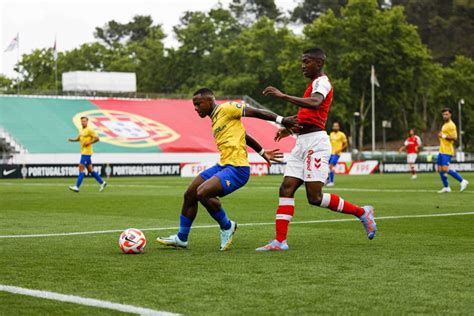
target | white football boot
[
  {"x": 464, "y": 184},
  {"x": 227, "y": 236},
  {"x": 172, "y": 241},
  {"x": 102, "y": 186},
  {"x": 74, "y": 188},
  {"x": 445, "y": 190}
]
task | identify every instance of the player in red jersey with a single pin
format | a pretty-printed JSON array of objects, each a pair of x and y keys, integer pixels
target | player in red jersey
[
  {"x": 411, "y": 145},
  {"x": 309, "y": 159}
]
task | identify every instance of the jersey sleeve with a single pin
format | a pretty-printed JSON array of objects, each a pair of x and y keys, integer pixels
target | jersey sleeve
[
  {"x": 234, "y": 109},
  {"x": 418, "y": 141},
  {"x": 92, "y": 133},
  {"x": 344, "y": 138},
  {"x": 322, "y": 86},
  {"x": 452, "y": 131}
]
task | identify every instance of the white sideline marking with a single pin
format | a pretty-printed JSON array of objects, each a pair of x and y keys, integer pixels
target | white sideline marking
[
  {"x": 82, "y": 301},
  {"x": 244, "y": 224},
  {"x": 245, "y": 188}
]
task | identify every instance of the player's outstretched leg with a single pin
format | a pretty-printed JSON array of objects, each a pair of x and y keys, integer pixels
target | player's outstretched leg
[
  {"x": 413, "y": 171},
  {"x": 338, "y": 204},
  {"x": 75, "y": 188},
  {"x": 97, "y": 177},
  {"x": 444, "y": 180},
  {"x": 188, "y": 214},
  {"x": 284, "y": 215},
  {"x": 331, "y": 177},
  {"x": 457, "y": 176},
  {"x": 207, "y": 194}
]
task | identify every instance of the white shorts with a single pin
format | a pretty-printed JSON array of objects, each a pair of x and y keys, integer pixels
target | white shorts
[
  {"x": 309, "y": 159},
  {"x": 411, "y": 158}
]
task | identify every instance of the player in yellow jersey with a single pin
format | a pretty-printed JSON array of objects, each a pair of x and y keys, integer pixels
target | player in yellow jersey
[
  {"x": 338, "y": 143},
  {"x": 447, "y": 138},
  {"x": 87, "y": 136},
  {"x": 231, "y": 173}
]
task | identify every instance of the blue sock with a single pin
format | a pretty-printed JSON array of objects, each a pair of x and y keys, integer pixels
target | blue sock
[
  {"x": 184, "y": 227},
  {"x": 97, "y": 177},
  {"x": 444, "y": 179},
  {"x": 80, "y": 178},
  {"x": 331, "y": 176},
  {"x": 222, "y": 219},
  {"x": 455, "y": 175}
]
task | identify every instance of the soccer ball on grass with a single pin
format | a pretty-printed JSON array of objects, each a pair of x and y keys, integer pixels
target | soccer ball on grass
[{"x": 132, "y": 241}]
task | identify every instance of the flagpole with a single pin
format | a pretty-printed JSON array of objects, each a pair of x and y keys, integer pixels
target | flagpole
[
  {"x": 372, "y": 83},
  {"x": 18, "y": 63},
  {"x": 55, "y": 56}
]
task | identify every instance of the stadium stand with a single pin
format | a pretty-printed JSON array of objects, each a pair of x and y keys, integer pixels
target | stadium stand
[{"x": 42, "y": 124}]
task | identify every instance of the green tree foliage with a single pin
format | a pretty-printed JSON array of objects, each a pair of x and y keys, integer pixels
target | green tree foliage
[
  {"x": 115, "y": 33},
  {"x": 457, "y": 83},
  {"x": 252, "y": 10},
  {"x": 363, "y": 36},
  {"x": 5, "y": 83},
  {"x": 308, "y": 10},
  {"x": 245, "y": 48},
  {"x": 446, "y": 26}
]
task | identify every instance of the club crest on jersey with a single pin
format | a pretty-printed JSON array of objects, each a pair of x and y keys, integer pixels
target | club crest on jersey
[
  {"x": 127, "y": 129},
  {"x": 228, "y": 183}
]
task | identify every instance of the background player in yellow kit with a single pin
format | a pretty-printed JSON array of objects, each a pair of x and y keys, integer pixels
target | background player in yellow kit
[
  {"x": 87, "y": 136},
  {"x": 447, "y": 138},
  {"x": 338, "y": 143}
]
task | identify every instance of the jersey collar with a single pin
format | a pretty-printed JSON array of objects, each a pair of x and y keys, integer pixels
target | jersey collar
[{"x": 214, "y": 110}]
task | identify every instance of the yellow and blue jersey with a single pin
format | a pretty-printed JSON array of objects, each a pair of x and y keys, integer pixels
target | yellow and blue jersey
[
  {"x": 447, "y": 146},
  {"x": 229, "y": 134},
  {"x": 86, "y": 135},
  {"x": 337, "y": 139}
]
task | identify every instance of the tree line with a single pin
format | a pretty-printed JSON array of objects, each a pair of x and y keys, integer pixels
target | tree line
[{"x": 422, "y": 52}]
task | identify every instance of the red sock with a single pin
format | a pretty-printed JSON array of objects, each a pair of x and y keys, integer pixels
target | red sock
[
  {"x": 413, "y": 171},
  {"x": 337, "y": 204},
  {"x": 285, "y": 211}
]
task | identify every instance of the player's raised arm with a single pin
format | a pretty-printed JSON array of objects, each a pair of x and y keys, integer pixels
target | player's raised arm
[
  {"x": 269, "y": 155},
  {"x": 312, "y": 102},
  {"x": 289, "y": 122}
]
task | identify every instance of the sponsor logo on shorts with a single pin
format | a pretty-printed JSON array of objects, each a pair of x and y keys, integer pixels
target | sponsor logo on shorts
[{"x": 308, "y": 160}]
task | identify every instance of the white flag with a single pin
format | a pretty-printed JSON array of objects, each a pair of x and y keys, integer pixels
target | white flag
[
  {"x": 373, "y": 78},
  {"x": 13, "y": 44},
  {"x": 55, "y": 50}
]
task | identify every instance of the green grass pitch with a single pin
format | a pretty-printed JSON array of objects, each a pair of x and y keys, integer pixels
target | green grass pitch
[{"x": 414, "y": 265}]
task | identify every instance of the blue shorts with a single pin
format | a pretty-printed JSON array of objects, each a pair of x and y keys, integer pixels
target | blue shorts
[
  {"x": 86, "y": 160},
  {"x": 443, "y": 160},
  {"x": 232, "y": 178},
  {"x": 333, "y": 159}
]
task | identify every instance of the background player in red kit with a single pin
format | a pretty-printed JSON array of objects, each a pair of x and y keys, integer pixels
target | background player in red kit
[
  {"x": 309, "y": 159},
  {"x": 411, "y": 145}
]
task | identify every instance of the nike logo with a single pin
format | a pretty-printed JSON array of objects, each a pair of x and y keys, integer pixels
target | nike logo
[{"x": 6, "y": 173}]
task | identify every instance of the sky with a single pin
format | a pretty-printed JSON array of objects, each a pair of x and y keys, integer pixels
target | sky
[{"x": 72, "y": 22}]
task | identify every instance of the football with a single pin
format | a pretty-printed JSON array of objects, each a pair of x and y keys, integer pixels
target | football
[{"x": 132, "y": 241}]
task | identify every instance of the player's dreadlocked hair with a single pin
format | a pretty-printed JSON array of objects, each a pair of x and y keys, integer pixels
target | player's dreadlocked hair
[
  {"x": 316, "y": 52},
  {"x": 204, "y": 91}
]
